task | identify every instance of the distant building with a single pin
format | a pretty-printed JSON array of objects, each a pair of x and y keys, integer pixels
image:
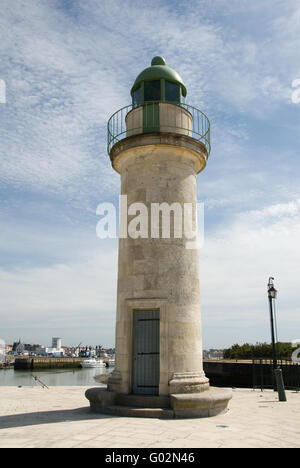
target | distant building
[
  {"x": 18, "y": 347},
  {"x": 31, "y": 348},
  {"x": 56, "y": 343},
  {"x": 23, "y": 348},
  {"x": 42, "y": 351},
  {"x": 55, "y": 350}
]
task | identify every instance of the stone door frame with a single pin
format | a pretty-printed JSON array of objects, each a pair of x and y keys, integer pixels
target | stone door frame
[{"x": 145, "y": 304}]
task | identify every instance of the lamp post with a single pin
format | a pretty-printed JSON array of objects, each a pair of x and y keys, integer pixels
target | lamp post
[
  {"x": 272, "y": 294},
  {"x": 277, "y": 372}
]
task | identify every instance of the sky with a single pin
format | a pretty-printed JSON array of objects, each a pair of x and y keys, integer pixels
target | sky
[{"x": 67, "y": 66}]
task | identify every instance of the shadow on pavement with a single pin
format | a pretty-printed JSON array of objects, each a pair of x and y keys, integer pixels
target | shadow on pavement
[{"x": 49, "y": 417}]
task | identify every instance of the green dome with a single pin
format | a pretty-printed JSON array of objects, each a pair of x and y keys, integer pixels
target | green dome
[{"x": 159, "y": 70}]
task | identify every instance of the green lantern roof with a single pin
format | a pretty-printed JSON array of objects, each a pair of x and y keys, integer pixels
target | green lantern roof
[{"x": 159, "y": 70}]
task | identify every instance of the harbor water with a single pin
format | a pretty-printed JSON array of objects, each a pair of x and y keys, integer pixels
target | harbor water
[{"x": 52, "y": 377}]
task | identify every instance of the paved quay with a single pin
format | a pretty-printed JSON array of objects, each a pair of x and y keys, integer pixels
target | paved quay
[{"x": 32, "y": 417}]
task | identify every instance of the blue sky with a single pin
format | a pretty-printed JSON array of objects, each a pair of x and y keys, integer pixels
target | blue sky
[{"x": 69, "y": 65}]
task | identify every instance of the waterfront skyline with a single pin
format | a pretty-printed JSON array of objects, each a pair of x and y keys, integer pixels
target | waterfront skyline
[{"x": 67, "y": 67}]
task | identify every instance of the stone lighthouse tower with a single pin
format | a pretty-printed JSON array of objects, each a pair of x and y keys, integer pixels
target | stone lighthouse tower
[{"x": 158, "y": 145}]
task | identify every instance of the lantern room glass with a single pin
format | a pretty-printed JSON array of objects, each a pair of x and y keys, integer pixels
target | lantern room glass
[
  {"x": 152, "y": 91},
  {"x": 172, "y": 92},
  {"x": 137, "y": 97}
]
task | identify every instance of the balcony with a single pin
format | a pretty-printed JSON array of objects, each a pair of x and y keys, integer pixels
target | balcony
[{"x": 159, "y": 117}]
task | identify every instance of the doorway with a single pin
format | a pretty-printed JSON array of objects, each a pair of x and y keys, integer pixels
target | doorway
[{"x": 145, "y": 368}]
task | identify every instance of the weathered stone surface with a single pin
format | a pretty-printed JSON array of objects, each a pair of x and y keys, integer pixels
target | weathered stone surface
[
  {"x": 130, "y": 412},
  {"x": 192, "y": 149},
  {"x": 99, "y": 398},
  {"x": 143, "y": 401},
  {"x": 205, "y": 404},
  {"x": 155, "y": 270},
  {"x": 191, "y": 382}
]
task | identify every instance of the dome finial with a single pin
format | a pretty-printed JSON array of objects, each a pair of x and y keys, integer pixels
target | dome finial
[
  {"x": 158, "y": 61},
  {"x": 158, "y": 71}
]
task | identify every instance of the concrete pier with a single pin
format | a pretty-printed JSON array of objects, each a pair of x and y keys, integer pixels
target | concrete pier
[{"x": 32, "y": 417}]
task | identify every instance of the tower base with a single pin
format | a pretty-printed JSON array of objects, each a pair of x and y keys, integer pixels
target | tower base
[{"x": 209, "y": 403}]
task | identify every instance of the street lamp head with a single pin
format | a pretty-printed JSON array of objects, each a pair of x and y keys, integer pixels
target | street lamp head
[{"x": 272, "y": 292}]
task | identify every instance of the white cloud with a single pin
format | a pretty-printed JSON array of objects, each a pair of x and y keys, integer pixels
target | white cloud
[
  {"x": 235, "y": 265},
  {"x": 66, "y": 77},
  {"x": 77, "y": 300}
]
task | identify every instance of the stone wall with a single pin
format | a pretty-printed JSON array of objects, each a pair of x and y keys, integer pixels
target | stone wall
[
  {"x": 242, "y": 374},
  {"x": 47, "y": 363}
]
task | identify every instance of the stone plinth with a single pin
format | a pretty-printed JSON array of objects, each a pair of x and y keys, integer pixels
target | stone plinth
[
  {"x": 188, "y": 405},
  {"x": 201, "y": 405}
]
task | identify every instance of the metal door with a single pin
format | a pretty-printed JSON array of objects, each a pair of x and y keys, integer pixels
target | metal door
[
  {"x": 145, "y": 369},
  {"x": 151, "y": 117}
]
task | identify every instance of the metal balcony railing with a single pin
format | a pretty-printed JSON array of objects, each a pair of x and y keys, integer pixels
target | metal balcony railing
[{"x": 177, "y": 118}]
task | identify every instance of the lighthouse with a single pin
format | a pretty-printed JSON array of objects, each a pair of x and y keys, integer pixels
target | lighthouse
[{"x": 158, "y": 144}]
